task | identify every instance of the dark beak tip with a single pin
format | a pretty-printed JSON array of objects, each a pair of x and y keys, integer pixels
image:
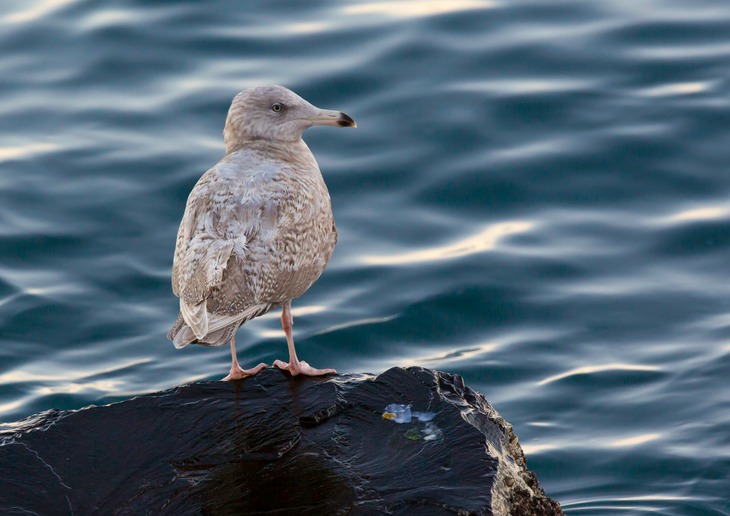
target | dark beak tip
[{"x": 346, "y": 121}]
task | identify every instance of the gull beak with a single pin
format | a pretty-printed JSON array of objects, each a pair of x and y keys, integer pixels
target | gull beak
[{"x": 334, "y": 118}]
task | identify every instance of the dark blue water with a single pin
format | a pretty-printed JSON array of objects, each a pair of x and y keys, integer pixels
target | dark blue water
[{"x": 537, "y": 198}]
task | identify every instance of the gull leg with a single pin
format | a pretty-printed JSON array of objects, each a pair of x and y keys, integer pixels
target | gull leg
[
  {"x": 236, "y": 371},
  {"x": 295, "y": 366}
]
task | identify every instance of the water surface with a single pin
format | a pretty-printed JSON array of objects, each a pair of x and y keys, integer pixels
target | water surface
[{"x": 537, "y": 198}]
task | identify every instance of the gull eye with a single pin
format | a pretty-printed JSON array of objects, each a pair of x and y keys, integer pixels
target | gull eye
[{"x": 277, "y": 107}]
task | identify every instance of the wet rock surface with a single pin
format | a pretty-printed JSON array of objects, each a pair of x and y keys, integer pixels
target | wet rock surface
[{"x": 274, "y": 443}]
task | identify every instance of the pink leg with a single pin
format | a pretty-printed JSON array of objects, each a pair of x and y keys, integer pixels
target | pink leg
[
  {"x": 294, "y": 366},
  {"x": 236, "y": 371}
]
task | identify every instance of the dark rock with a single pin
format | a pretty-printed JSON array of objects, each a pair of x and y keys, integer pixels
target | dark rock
[{"x": 274, "y": 444}]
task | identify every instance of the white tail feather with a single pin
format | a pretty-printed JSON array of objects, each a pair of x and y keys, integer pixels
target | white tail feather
[
  {"x": 184, "y": 337},
  {"x": 208, "y": 323},
  {"x": 196, "y": 317}
]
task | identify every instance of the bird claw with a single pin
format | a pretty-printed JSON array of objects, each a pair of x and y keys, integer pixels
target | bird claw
[
  {"x": 302, "y": 368},
  {"x": 237, "y": 373}
]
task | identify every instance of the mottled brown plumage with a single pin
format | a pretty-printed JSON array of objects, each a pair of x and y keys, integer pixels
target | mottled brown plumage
[{"x": 258, "y": 228}]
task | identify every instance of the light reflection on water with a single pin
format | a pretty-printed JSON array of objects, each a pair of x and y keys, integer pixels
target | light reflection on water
[
  {"x": 697, "y": 214},
  {"x": 486, "y": 240},
  {"x": 38, "y": 10},
  {"x": 587, "y": 370},
  {"x": 413, "y": 8},
  {"x": 25, "y": 151}
]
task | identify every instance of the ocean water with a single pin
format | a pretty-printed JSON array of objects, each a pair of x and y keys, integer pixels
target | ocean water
[{"x": 537, "y": 198}]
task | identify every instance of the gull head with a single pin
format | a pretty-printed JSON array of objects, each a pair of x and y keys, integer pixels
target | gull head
[{"x": 277, "y": 114}]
